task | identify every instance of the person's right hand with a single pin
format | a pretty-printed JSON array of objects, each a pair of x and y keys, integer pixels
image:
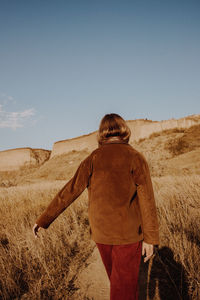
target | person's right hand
[
  {"x": 36, "y": 229},
  {"x": 148, "y": 250}
]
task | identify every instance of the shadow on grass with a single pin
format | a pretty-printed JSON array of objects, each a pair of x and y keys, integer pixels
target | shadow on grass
[{"x": 167, "y": 274}]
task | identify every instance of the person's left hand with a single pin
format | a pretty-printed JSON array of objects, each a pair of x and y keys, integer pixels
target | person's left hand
[
  {"x": 36, "y": 229},
  {"x": 148, "y": 250}
]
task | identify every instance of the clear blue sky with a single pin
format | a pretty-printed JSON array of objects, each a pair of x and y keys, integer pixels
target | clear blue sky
[{"x": 64, "y": 64}]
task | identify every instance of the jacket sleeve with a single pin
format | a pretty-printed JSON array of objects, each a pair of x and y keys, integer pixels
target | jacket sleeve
[
  {"x": 70, "y": 191},
  {"x": 142, "y": 179}
]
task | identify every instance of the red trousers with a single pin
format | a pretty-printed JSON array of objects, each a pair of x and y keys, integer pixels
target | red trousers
[{"x": 122, "y": 264}]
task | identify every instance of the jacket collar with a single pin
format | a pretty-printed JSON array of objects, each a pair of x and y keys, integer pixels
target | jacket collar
[{"x": 114, "y": 140}]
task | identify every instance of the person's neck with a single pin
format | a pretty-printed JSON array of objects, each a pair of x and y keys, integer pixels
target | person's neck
[{"x": 113, "y": 138}]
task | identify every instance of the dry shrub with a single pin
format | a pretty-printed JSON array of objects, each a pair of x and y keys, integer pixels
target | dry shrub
[
  {"x": 177, "y": 146},
  {"x": 166, "y": 132},
  {"x": 161, "y": 133},
  {"x": 189, "y": 141}
]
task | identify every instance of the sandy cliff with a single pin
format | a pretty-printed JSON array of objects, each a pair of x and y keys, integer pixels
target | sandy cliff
[
  {"x": 140, "y": 128},
  {"x": 15, "y": 158}
]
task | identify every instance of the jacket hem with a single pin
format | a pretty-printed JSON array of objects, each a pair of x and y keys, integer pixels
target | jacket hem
[{"x": 116, "y": 241}]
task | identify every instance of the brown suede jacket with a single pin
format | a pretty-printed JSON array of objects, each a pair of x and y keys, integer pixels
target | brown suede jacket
[{"x": 121, "y": 207}]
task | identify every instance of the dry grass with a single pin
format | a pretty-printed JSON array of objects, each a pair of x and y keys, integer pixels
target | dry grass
[
  {"x": 48, "y": 268},
  {"x": 45, "y": 268},
  {"x": 179, "y": 217}
]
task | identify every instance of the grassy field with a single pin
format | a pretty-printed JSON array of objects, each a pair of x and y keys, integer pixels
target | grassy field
[
  {"x": 45, "y": 268},
  {"x": 48, "y": 267}
]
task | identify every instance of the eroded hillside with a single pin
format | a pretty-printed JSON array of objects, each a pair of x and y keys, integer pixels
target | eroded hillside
[
  {"x": 171, "y": 152},
  {"x": 140, "y": 128}
]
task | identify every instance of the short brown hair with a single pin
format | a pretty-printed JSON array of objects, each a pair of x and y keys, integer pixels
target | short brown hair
[{"x": 113, "y": 125}]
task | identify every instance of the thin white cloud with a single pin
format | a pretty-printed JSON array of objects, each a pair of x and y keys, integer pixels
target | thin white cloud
[
  {"x": 14, "y": 119},
  {"x": 6, "y": 99}
]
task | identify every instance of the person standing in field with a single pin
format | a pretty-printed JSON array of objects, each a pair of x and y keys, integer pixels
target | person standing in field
[{"x": 122, "y": 211}]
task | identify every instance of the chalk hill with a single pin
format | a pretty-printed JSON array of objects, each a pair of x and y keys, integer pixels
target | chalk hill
[
  {"x": 170, "y": 152},
  {"x": 15, "y": 158},
  {"x": 141, "y": 129}
]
